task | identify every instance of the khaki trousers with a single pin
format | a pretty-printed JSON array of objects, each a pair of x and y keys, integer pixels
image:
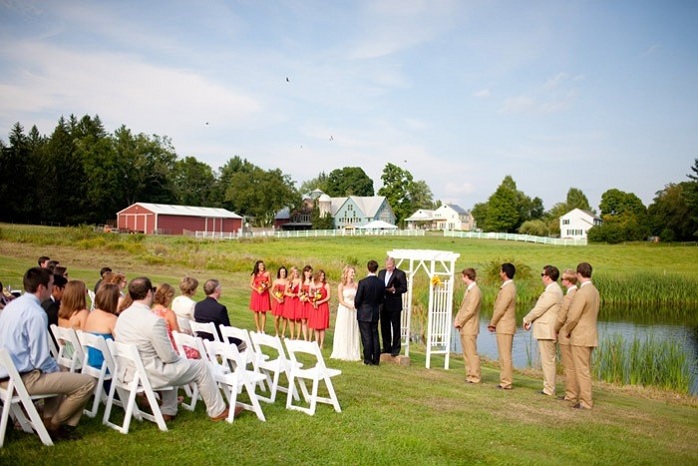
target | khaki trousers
[
  {"x": 73, "y": 389},
  {"x": 199, "y": 373},
  {"x": 547, "y": 362},
  {"x": 571, "y": 386},
  {"x": 581, "y": 358},
  {"x": 506, "y": 374},
  {"x": 472, "y": 360}
]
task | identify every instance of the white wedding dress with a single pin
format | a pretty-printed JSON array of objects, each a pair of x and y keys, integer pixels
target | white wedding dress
[{"x": 346, "y": 345}]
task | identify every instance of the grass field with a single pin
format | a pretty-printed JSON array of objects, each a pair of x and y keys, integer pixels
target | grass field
[{"x": 391, "y": 414}]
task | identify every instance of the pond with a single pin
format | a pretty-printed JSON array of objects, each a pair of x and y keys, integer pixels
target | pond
[{"x": 525, "y": 347}]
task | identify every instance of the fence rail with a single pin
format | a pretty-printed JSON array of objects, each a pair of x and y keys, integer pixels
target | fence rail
[
  {"x": 301, "y": 233},
  {"x": 515, "y": 237}
]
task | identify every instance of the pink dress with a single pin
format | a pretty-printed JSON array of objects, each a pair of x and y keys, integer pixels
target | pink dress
[
  {"x": 277, "y": 307},
  {"x": 260, "y": 302},
  {"x": 190, "y": 352},
  {"x": 320, "y": 317}
]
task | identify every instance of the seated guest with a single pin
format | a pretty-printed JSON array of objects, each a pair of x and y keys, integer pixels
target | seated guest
[
  {"x": 102, "y": 320},
  {"x": 60, "y": 270},
  {"x": 53, "y": 303},
  {"x": 138, "y": 326},
  {"x": 24, "y": 334},
  {"x": 5, "y": 297},
  {"x": 210, "y": 310},
  {"x": 51, "y": 265},
  {"x": 73, "y": 312},
  {"x": 161, "y": 308},
  {"x": 102, "y": 271},
  {"x": 43, "y": 262},
  {"x": 117, "y": 278},
  {"x": 183, "y": 305}
]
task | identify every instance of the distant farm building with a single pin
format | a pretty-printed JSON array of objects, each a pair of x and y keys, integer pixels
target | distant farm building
[
  {"x": 576, "y": 223},
  {"x": 164, "y": 219},
  {"x": 446, "y": 217}
]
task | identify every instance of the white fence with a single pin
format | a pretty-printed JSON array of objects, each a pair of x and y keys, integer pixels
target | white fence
[
  {"x": 302, "y": 233},
  {"x": 515, "y": 237}
]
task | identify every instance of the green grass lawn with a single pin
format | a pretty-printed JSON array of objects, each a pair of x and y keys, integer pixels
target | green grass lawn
[{"x": 391, "y": 414}]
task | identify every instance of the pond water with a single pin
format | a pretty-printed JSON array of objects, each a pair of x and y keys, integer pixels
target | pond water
[{"x": 525, "y": 347}]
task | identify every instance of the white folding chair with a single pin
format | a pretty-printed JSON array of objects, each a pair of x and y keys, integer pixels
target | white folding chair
[
  {"x": 97, "y": 342},
  {"x": 15, "y": 395},
  {"x": 318, "y": 372},
  {"x": 227, "y": 355},
  {"x": 208, "y": 327},
  {"x": 91, "y": 294},
  {"x": 182, "y": 340},
  {"x": 128, "y": 380},
  {"x": 70, "y": 353},
  {"x": 272, "y": 362}
]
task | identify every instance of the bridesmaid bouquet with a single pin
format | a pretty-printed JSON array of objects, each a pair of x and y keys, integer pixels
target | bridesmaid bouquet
[
  {"x": 303, "y": 296},
  {"x": 278, "y": 294},
  {"x": 263, "y": 286}
]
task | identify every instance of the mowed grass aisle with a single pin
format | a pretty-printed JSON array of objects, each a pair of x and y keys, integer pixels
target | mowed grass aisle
[{"x": 391, "y": 414}]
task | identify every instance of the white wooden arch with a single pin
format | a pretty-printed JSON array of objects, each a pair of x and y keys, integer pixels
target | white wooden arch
[{"x": 439, "y": 264}]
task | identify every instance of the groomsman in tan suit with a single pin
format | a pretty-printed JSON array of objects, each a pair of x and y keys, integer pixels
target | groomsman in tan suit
[
  {"x": 544, "y": 315},
  {"x": 569, "y": 280},
  {"x": 504, "y": 324},
  {"x": 468, "y": 324},
  {"x": 581, "y": 328}
]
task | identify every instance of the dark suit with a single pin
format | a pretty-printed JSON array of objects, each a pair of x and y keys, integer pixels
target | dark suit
[
  {"x": 210, "y": 310},
  {"x": 370, "y": 294},
  {"x": 51, "y": 307},
  {"x": 391, "y": 311}
]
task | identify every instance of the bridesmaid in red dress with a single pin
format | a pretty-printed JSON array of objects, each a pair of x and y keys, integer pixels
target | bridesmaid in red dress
[
  {"x": 278, "y": 298},
  {"x": 307, "y": 305},
  {"x": 292, "y": 308},
  {"x": 320, "y": 317},
  {"x": 260, "y": 303}
]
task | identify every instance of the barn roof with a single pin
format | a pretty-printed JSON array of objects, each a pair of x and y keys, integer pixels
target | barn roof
[{"x": 186, "y": 211}]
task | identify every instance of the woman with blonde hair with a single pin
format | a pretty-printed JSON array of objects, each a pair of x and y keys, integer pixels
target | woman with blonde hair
[
  {"x": 292, "y": 308},
  {"x": 346, "y": 328},
  {"x": 183, "y": 305},
  {"x": 73, "y": 310}
]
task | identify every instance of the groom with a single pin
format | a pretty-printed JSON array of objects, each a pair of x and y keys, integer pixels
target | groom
[{"x": 369, "y": 297}]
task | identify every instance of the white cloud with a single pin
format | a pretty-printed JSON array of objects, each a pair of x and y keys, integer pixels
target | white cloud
[
  {"x": 556, "y": 80},
  {"x": 482, "y": 93}
]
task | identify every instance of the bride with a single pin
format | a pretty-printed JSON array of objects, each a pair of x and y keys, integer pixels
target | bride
[{"x": 346, "y": 331}]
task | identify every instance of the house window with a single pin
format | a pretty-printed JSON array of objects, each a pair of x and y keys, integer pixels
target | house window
[{"x": 565, "y": 221}]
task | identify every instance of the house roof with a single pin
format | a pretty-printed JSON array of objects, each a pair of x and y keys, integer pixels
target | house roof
[
  {"x": 421, "y": 215},
  {"x": 378, "y": 225},
  {"x": 576, "y": 211},
  {"x": 187, "y": 211},
  {"x": 369, "y": 205}
]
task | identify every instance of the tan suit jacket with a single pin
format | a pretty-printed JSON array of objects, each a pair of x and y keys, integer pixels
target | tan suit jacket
[
  {"x": 138, "y": 326},
  {"x": 468, "y": 317},
  {"x": 504, "y": 315},
  {"x": 582, "y": 317},
  {"x": 544, "y": 313},
  {"x": 562, "y": 316}
]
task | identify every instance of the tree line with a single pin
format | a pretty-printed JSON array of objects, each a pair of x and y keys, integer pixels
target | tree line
[
  {"x": 672, "y": 215},
  {"x": 82, "y": 174}
]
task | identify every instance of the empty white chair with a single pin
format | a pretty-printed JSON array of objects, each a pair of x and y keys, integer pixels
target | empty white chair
[
  {"x": 225, "y": 355},
  {"x": 208, "y": 327},
  {"x": 318, "y": 372},
  {"x": 182, "y": 340},
  {"x": 11, "y": 403},
  {"x": 70, "y": 353},
  {"x": 272, "y": 362},
  {"x": 97, "y": 342},
  {"x": 240, "y": 334},
  {"x": 129, "y": 379},
  {"x": 91, "y": 294}
]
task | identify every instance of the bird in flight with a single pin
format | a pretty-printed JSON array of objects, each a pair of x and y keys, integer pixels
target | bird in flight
[
  {"x": 331, "y": 138},
  {"x": 288, "y": 80}
]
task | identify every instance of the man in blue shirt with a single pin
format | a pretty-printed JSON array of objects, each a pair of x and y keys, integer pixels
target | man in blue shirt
[{"x": 24, "y": 334}]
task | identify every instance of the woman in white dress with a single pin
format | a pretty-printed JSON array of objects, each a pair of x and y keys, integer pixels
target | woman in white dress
[{"x": 346, "y": 330}]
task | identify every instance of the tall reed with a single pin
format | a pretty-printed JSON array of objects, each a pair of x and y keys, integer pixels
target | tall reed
[{"x": 646, "y": 361}]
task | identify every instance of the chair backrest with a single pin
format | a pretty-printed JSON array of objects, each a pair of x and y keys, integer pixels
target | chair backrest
[
  {"x": 306, "y": 347},
  {"x": 208, "y": 327},
  {"x": 70, "y": 353},
  {"x": 128, "y": 361},
  {"x": 182, "y": 339},
  {"x": 262, "y": 340},
  {"x": 224, "y": 356},
  {"x": 98, "y": 342}
]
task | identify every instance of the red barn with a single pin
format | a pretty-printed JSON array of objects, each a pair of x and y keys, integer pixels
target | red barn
[{"x": 174, "y": 219}]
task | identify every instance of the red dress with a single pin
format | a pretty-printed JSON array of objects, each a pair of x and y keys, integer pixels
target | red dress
[
  {"x": 277, "y": 307},
  {"x": 260, "y": 302},
  {"x": 320, "y": 317},
  {"x": 292, "y": 304},
  {"x": 306, "y": 305}
]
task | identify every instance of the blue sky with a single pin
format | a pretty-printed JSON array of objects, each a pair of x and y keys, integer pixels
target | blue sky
[{"x": 590, "y": 94}]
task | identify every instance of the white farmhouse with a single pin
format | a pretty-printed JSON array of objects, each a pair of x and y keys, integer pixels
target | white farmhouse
[
  {"x": 576, "y": 223},
  {"x": 446, "y": 217}
]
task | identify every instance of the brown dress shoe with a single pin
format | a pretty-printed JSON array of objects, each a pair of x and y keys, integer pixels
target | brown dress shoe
[
  {"x": 169, "y": 417},
  {"x": 221, "y": 417}
]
